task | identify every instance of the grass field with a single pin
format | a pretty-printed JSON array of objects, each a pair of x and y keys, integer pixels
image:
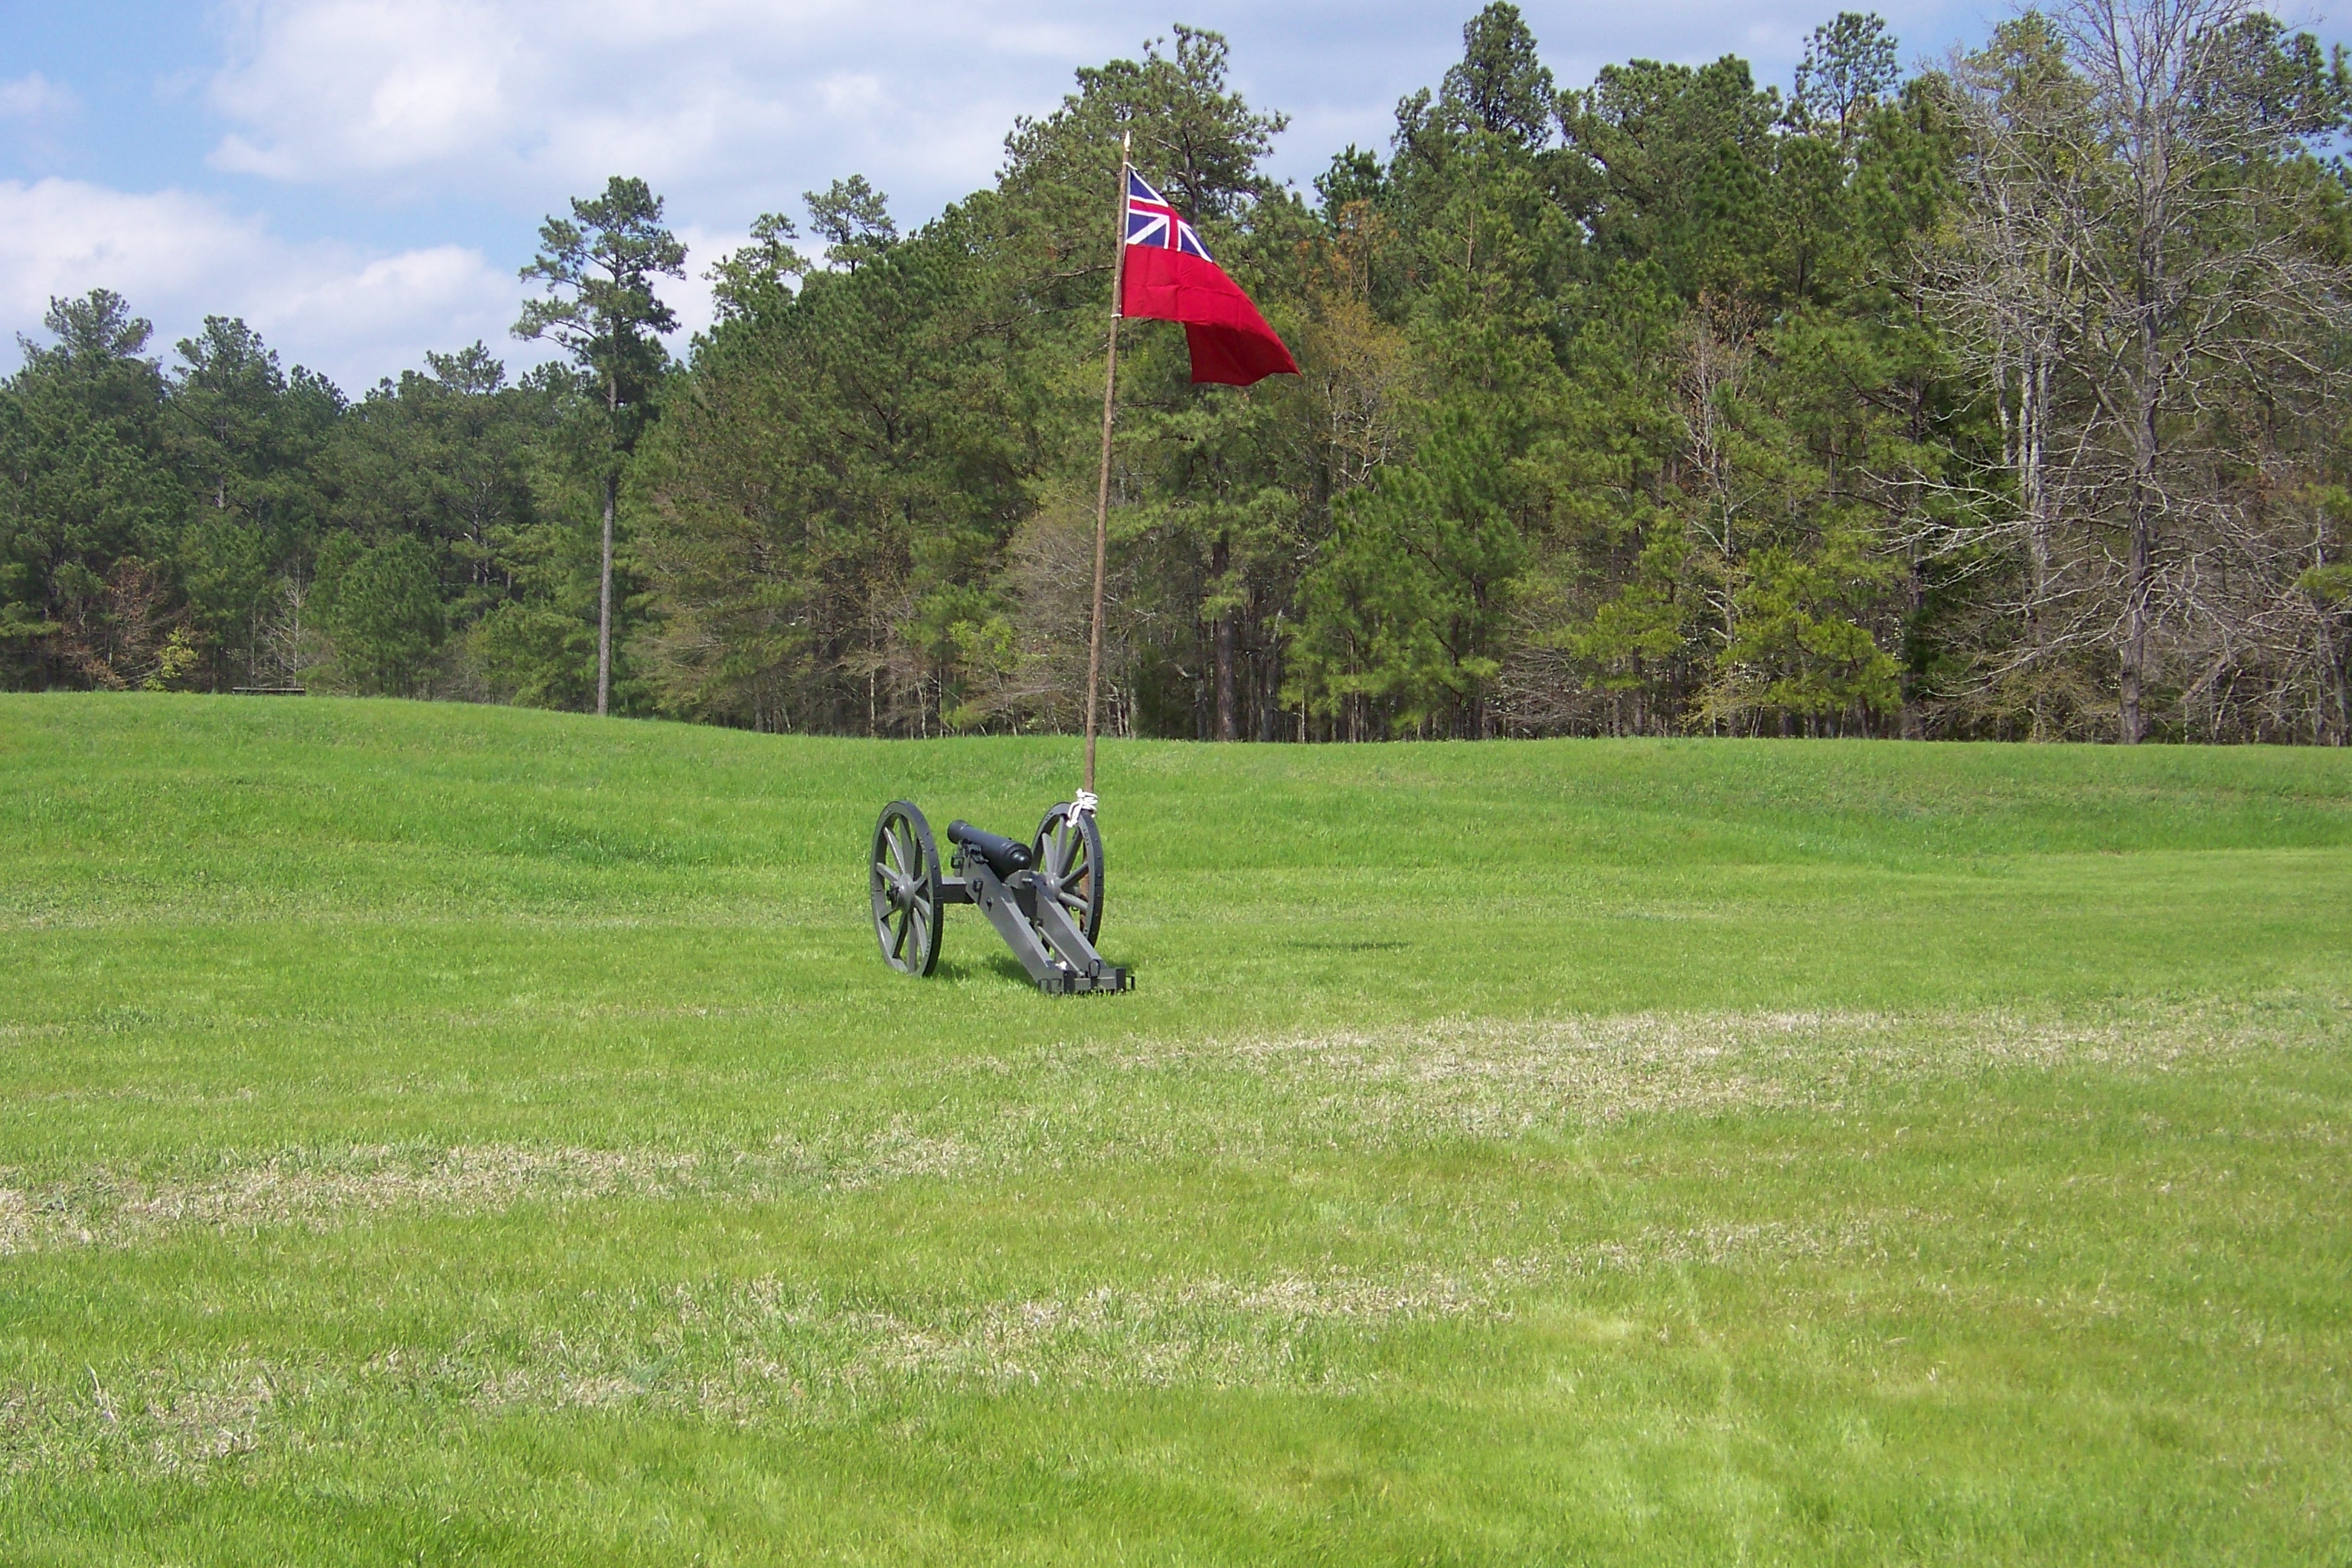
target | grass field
[{"x": 441, "y": 1134}]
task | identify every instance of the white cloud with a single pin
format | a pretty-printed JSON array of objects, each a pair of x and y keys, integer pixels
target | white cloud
[
  {"x": 522, "y": 101},
  {"x": 35, "y": 97},
  {"x": 691, "y": 297},
  {"x": 361, "y": 88},
  {"x": 178, "y": 257}
]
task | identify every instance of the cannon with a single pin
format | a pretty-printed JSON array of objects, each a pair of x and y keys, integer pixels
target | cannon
[{"x": 1044, "y": 896}]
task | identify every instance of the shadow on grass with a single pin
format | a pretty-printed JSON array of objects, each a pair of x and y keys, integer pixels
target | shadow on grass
[{"x": 1003, "y": 965}]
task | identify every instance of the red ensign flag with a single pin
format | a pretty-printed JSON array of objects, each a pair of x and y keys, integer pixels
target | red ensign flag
[{"x": 1170, "y": 277}]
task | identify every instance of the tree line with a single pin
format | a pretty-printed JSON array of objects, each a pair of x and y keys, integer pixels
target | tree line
[{"x": 2003, "y": 399}]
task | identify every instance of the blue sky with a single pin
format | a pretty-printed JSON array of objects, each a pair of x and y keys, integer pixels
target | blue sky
[{"x": 362, "y": 178}]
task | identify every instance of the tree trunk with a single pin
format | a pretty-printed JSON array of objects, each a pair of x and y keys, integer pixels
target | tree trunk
[
  {"x": 1222, "y": 633},
  {"x": 1915, "y": 587},
  {"x": 2344, "y": 694},
  {"x": 2330, "y": 660},
  {"x": 604, "y": 608},
  {"x": 2032, "y": 417},
  {"x": 2135, "y": 721},
  {"x": 2143, "y": 528}
]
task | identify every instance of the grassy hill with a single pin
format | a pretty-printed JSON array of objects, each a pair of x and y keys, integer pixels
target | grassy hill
[{"x": 456, "y": 1134}]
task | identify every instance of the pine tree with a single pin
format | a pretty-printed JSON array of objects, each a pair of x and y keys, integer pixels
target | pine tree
[{"x": 598, "y": 267}]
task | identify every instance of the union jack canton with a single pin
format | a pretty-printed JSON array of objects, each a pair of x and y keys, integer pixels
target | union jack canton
[{"x": 1151, "y": 221}]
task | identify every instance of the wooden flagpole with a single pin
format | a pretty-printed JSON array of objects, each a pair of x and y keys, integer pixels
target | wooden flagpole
[{"x": 1102, "y": 485}]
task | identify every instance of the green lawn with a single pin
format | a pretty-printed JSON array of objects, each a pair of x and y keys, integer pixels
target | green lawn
[{"x": 453, "y": 1134}]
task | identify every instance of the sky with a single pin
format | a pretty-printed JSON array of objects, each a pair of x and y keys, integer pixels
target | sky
[{"x": 362, "y": 179}]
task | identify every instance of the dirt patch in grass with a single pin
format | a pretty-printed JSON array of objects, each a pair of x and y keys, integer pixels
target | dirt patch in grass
[
  {"x": 1144, "y": 1100},
  {"x": 767, "y": 1352}
]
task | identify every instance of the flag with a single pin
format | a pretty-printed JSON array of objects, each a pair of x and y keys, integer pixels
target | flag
[{"x": 1170, "y": 276}]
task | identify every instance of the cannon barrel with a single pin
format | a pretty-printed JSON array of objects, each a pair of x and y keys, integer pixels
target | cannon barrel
[{"x": 1004, "y": 856}]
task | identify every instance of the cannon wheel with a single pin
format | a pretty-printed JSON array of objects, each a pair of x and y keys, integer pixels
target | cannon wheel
[
  {"x": 1072, "y": 853},
  {"x": 904, "y": 878}
]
